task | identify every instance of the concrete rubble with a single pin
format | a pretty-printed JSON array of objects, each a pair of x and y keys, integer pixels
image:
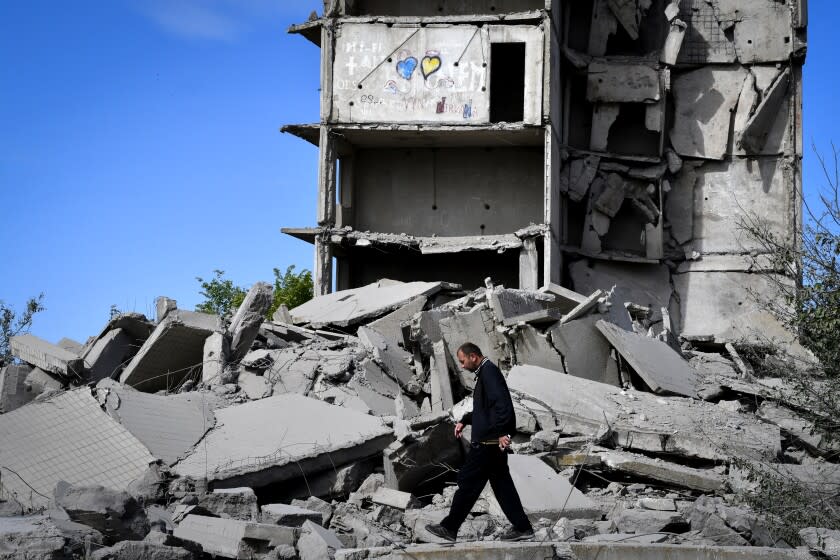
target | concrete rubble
[
  {"x": 583, "y": 232},
  {"x": 346, "y": 451}
]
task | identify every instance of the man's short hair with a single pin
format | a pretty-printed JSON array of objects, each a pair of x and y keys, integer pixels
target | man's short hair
[{"x": 469, "y": 348}]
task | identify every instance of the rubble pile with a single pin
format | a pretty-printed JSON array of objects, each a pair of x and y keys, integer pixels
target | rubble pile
[{"x": 328, "y": 432}]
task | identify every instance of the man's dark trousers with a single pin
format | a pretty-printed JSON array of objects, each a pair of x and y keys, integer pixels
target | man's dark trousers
[{"x": 485, "y": 462}]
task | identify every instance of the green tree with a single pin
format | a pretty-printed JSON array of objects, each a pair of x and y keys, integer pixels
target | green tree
[
  {"x": 12, "y": 325},
  {"x": 221, "y": 296},
  {"x": 291, "y": 289}
]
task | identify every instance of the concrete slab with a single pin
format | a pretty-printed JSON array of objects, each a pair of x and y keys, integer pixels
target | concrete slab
[
  {"x": 227, "y": 537},
  {"x": 215, "y": 357},
  {"x": 292, "y": 370},
  {"x": 441, "y": 395},
  {"x": 172, "y": 353},
  {"x": 49, "y": 357},
  {"x": 66, "y": 437},
  {"x": 659, "y": 365},
  {"x": 534, "y": 348},
  {"x": 39, "y": 381},
  {"x": 393, "y": 359},
  {"x": 585, "y": 351},
  {"x": 489, "y": 550},
  {"x": 645, "y": 422},
  {"x": 391, "y": 324},
  {"x": 14, "y": 393},
  {"x": 350, "y": 307},
  {"x": 584, "y": 307},
  {"x": 543, "y": 492},
  {"x": 235, "y": 453},
  {"x": 704, "y": 104},
  {"x": 648, "y": 285},
  {"x": 672, "y": 474},
  {"x": 72, "y": 346},
  {"x": 634, "y": 551},
  {"x": 254, "y": 386},
  {"x": 476, "y": 326},
  {"x": 565, "y": 299},
  {"x": 507, "y": 304},
  {"x": 246, "y": 322},
  {"x": 392, "y": 498},
  {"x": 106, "y": 356},
  {"x": 620, "y": 82},
  {"x": 289, "y": 516},
  {"x": 169, "y": 426},
  {"x": 317, "y": 543}
]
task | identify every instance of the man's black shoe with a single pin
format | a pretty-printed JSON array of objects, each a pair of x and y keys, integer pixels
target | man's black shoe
[
  {"x": 439, "y": 530},
  {"x": 517, "y": 535}
]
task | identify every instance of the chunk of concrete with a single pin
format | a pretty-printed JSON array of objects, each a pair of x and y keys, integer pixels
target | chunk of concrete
[
  {"x": 439, "y": 378},
  {"x": 584, "y": 307},
  {"x": 44, "y": 537},
  {"x": 644, "y": 551},
  {"x": 317, "y": 543},
  {"x": 565, "y": 299},
  {"x": 169, "y": 426},
  {"x": 629, "y": 14},
  {"x": 216, "y": 350},
  {"x": 85, "y": 447},
  {"x": 642, "y": 521},
  {"x": 106, "y": 356},
  {"x": 756, "y": 132},
  {"x": 316, "y": 504},
  {"x": 412, "y": 463},
  {"x": 679, "y": 204},
  {"x": 671, "y": 474},
  {"x": 246, "y": 322},
  {"x": 113, "y": 513},
  {"x": 611, "y": 196},
  {"x": 658, "y": 504},
  {"x": 585, "y": 351},
  {"x": 534, "y": 348},
  {"x": 761, "y": 29},
  {"x": 292, "y": 370},
  {"x": 822, "y": 541},
  {"x": 254, "y": 386},
  {"x": 49, "y": 357},
  {"x": 793, "y": 424},
  {"x": 231, "y": 503},
  {"x": 704, "y": 103},
  {"x": 14, "y": 393},
  {"x": 581, "y": 174},
  {"x": 509, "y": 305},
  {"x": 391, "y": 324},
  {"x": 72, "y": 346},
  {"x": 39, "y": 381},
  {"x": 137, "y": 550},
  {"x": 393, "y": 359},
  {"x": 659, "y": 365},
  {"x": 234, "y": 453},
  {"x": 645, "y": 422},
  {"x": 543, "y": 492},
  {"x": 289, "y": 516},
  {"x": 620, "y": 82},
  {"x": 350, "y": 307},
  {"x": 173, "y": 352},
  {"x": 392, "y": 498},
  {"x": 604, "y": 116},
  {"x": 476, "y": 326},
  {"x": 163, "y": 305},
  {"x": 673, "y": 42},
  {"x": 231, "y": 538}
]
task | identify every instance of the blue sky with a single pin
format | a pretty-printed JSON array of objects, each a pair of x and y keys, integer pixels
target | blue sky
[{"x": 140, "y": 147}]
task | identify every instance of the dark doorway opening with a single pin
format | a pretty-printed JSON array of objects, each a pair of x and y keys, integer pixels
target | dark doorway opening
[{"x": 507, "y": 82}]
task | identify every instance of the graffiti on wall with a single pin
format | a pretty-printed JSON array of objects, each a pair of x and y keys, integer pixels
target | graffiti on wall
[{"x": 417, "y": 80}]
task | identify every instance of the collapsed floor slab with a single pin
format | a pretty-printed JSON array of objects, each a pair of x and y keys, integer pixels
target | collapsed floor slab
[
  {"x": 66, "y": 437},
  {"x": 173, "y": 351},
  {"x": 279, "y": 438},
  {"x": 350, "y": 307},
  {"x": 641, "y": 421},
  {"x": 49, "y": 357}
]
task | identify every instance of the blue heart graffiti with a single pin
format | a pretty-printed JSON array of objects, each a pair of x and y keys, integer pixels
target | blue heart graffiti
[{"x": 406, "y": 66}]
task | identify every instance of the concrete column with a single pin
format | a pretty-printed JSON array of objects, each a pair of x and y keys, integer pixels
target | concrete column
[
  {"x": 322, "y": 277},
  {"x": 326, "y": 178},
  {"x": 529, "y": 274},
  {"x": 552, "y": 210}
]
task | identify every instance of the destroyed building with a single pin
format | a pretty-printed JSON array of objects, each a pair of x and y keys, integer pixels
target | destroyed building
[
  {"x": 571, "y": 142},
  {"x": 559, "y": 183}
]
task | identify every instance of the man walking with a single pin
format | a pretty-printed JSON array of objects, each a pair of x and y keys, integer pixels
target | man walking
[{"x": 493, "y": 421}]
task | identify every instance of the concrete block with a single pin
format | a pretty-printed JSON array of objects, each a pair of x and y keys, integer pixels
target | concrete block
[
  {"x": 172, "y": 353},
  {"x": 39, "y": 381},
  {"x": 543, "y": 492},
  {"x": 392, "y": 498},
  {"x": 659, "y": 365},
  {"x": 231, "y": 538},
  {"x": 72, "y": 346},
  {"x": 231, "y": 503},
  {"x": 703, "y": 480},
  {"x": 289, "y": 515},
  {"x": 584, "y": 349},
  {"x": 14, "y": 392},
  {"x": 390, "y": 326},
  {"x": 395, "y": 361},
  {"x": 533, "y": 347},
  {"x": 49, "y": 357},
  {"x": 705, "y": 101},
  {"x": 351, "y": 307},
  {"x": 641, "y": 521},
  {"x": 254, "y": 386},
  {"x": 823, "y": 541},
  {"x": 317, "y": 543},
  {"x": 410, "y": 464},
  {"x": 163, "y": 305},
  {"x": 565, "y": 299},
  {"x": 477, "y": 326},
  {"x": 113, "y": 513},
  {"x": 508, "y": 305},
  {"x": 142, "y": 550},
  {"x": 169, "y": 426},
  {"x": 234, "y": 453},
  {"x": 642, "y": 421},
  {"x": 66, "y": 437},
  {"x": 246, "y": 322},
  {"x": 106, "y": 356},
  {"x": 292, "y": 370},
  {"x": 43, "y": 536}
]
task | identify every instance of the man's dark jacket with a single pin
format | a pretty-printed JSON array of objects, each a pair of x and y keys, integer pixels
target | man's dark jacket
[{"x": 492, "y": 415}]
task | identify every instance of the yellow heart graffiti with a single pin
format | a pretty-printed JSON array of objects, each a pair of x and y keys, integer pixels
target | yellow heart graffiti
[{"x": 430, "y": 64}]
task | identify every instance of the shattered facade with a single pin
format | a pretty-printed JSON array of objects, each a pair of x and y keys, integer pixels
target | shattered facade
[{"x": 539, "y": 141}]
